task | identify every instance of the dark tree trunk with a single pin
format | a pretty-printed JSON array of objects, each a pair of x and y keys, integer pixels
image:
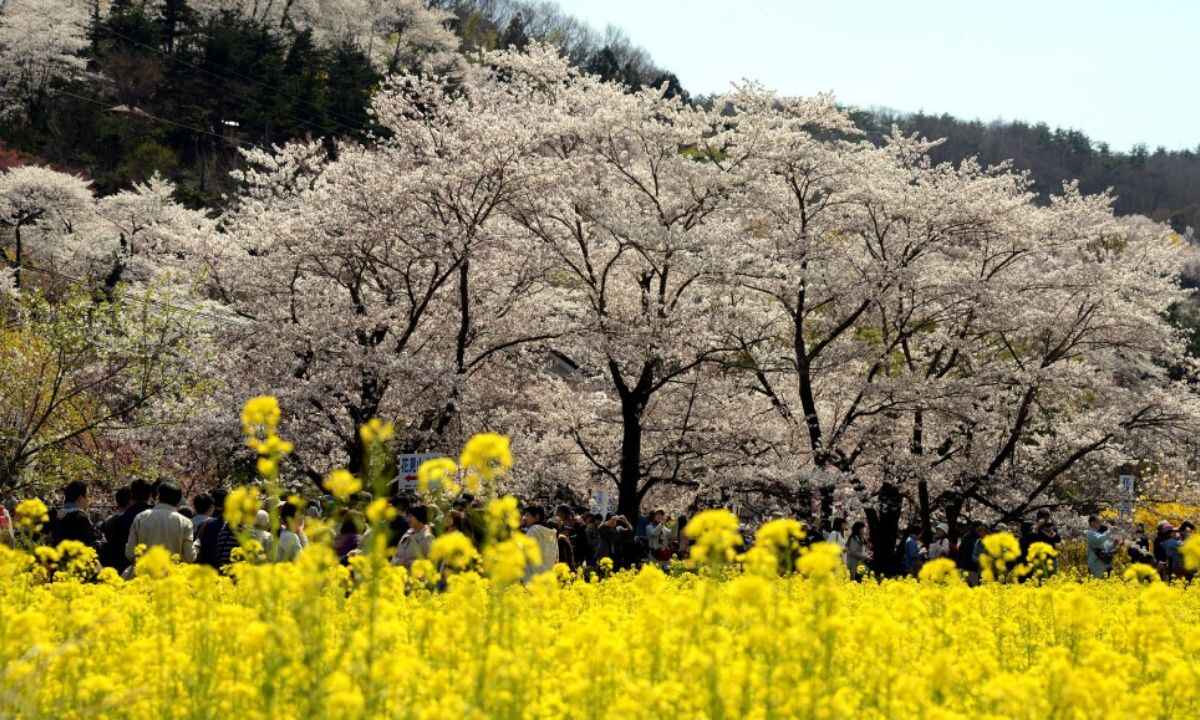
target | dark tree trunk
[
  {"x": 629, "y": 500},
  {"x": 17, "y": 265},
  {"x": 952, "y": 504},
  {"x": 883, "y": 522},
  {"x": 926, "y": 519},
  {"x": 170, "y": 23},
  {"x": 826, "y": 504},
  {"x": 371, "y": 397}
]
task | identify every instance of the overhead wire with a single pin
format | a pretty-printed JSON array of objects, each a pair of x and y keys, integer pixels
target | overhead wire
[
  {"x": 231, "y": 74},
  {"x": 150, "y": 116}
]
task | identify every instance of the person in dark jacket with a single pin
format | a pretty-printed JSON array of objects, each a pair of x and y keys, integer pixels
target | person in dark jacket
[
  {"x": 965, "y": 557},
  {"x": 116, "y": 528},
  {"x": 216, "y": 541},
  {"x": 73, "y": 522},
  {"x": 1045, "y": 531},
  {"x": 618, "y": 542},
  {"x": 203, "y": 503},
  {"x": 1162, "y": 534},
  {"x": 910, "y": 551},
  {"x": 108, "y": 528},
  {"x": 348, "y": 536},
  {"x": 571, "y": 525},
  {"x": 1139, "y": 551}
]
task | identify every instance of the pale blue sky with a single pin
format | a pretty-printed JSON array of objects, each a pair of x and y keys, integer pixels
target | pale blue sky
[{"x": 1122, "y": 71}]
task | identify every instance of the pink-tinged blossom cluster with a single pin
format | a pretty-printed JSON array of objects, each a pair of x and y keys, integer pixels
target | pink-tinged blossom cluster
[{"x": 742, "y": 304}]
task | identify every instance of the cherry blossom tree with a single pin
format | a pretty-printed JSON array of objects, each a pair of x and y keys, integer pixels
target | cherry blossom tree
[
  {"x": 41, "y": 42},
  {"x": 105, "y": 342},
  {"x": 633, "y": 214},
  {"x": 935, "y": 313},
  {"x": 751, "y": 301},
  {"x": 379, "y": 284},
  {"x": 40, "y": 205},
  {"x": 399, "y": 35}
]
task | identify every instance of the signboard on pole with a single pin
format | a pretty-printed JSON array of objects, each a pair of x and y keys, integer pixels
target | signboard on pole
[
  {"x": 406, "y": 469},
  {"x": 599, "y": 503},
  {"x": 1128, "y": 483}
]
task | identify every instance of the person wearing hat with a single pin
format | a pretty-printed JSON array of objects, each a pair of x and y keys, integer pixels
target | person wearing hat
[
  {"x": 1045, "y": 531},
  {"x": 940, "y": 547}
]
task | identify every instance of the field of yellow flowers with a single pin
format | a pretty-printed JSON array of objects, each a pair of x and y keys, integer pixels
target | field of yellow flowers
[
  {"x": 314, "y": 639},
  {"x": 776, "y": 631}
]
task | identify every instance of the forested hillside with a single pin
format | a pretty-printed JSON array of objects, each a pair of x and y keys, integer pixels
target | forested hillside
[
  {"x": 1163, "y": 185},
  {"x": 178, "y": 86}
]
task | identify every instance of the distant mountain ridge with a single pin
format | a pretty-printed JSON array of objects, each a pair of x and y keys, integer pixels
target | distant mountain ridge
[{"x": 198, "y": 86}]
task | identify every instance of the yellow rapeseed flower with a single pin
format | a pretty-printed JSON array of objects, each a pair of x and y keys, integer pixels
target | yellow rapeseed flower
[
  {"x": 437, "y": 474},
  {"x": 460, "y": 636},
  {"x": 999, "y": 550},
  {"x": 241, "y": 504},
  {"x": 342, "y": 484},
  {"x": 376, "y": 431},
  {"x": 154, "y": 563},
  {"x": 505, "y": 562},
  {"x": 821, "y": 561},
  {"x": 1191, "y": 553},
  {"x": 760, "y": 560},
  {"x": 780, "y": 534},
  {"x": 715, "y": 535},
  {"x": 1140, "y": 572},
  {"x": 939, "y": 571},
  {"x": 32, "y": 514},
  {"x": 380, "y": 511},
  {"x": 1002, "y": 546},
  {"x": 502, "y": 517},
  {"x": 453, "y": 550},
  {"x": 486, "y": 456},
  {"x": 260, "y": 416}
]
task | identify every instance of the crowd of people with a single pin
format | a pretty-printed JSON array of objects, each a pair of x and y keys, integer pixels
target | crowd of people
[
  {"x": 154, "y": 514},
  {"x": 1101, "y": 542}
]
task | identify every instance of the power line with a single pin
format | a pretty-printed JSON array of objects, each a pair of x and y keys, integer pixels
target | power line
[{"x": 144, "y": 114}]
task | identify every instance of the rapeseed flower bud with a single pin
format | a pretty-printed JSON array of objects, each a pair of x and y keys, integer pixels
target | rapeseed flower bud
[
  {"x": 32, "y": 514},
  {"x": 454, "y": 551},
  {"x": 376, "y": 431},
  {"x": 437, "y": 474},
  {"x": 341, "y": 484},
  {"x": 1141, "y": 573},
  {"x": 715, "y": 535},
  {"x": 380, "y": 511},
  {"x": 486, "y": 456}
]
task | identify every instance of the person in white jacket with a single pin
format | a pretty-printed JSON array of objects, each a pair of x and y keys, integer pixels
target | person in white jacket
[
  {"x": 533, "y": 521},
  {"x": 291, "y": 534}
]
